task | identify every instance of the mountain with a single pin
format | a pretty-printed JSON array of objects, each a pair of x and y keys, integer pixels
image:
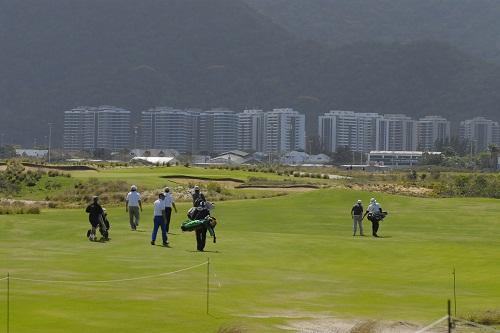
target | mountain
[
  {"x": 58, "y": 54},
  {"x": 470, "y": 25}
]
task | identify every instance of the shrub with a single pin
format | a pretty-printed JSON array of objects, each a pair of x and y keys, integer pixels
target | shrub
[
  {"x": 488, "y": 317},
  {"x": 214, "y": 187}
]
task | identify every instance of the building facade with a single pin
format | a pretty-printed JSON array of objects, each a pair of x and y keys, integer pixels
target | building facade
[
  {"x": 284, "y": 131},
  {"x": 480, "y": 132},
  {"x": 251, "y": 130},
  {"x": 90, "y": 128},
  {"x": 216, "y": 131},
  {"x": 356, "y": 131},
  {"x": 396, "y": 132},
  {"x": 431, "y": 131},
  {"x": 168, "y": 128}
]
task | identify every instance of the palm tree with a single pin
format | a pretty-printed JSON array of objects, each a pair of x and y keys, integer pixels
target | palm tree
[{"x": 494, "y": 151}]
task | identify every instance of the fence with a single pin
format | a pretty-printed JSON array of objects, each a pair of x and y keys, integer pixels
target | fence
[
  {"x": 455, "y": 324},
  {"x": 9, "y": 279}
]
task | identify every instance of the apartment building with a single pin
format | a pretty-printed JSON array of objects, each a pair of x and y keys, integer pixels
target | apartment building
[
  {"x": 90, "y": 128},
  {"x": 432, "y": 130},
  {"x": 396, "y": 132},
  {"x": 480, "y": 133},
  {"x": 356, "y": 131},
  {"x": 216, "y": 131},
  {"x": 284, "y": 131},
  {"x": 168, "y": 128},
  {"x": 251, "y": 130}
]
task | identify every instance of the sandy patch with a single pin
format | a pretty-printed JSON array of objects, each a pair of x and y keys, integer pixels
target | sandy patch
[
  {"x": 198, "y": 181},
  {"x": 324, "y": 323},
  {"x": 347, "y": 326}
]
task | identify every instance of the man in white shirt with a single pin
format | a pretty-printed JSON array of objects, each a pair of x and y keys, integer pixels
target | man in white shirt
[
  {"x": 159, "y": 220},
  {"x": 132, "y": 205},
  {"x": 169, "y": 204},
  {"x": 374, "y": 213}
]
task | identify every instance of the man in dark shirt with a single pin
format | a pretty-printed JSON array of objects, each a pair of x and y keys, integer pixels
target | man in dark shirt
[
  {"x": 201, "y": 232},
  {"x": 95, "y": 212},
  {"x": 357, "y": 218},
  {"x": 197, "y": 196}
]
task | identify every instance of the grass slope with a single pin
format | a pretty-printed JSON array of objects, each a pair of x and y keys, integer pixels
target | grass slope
[{"x": 279, "y": 257}]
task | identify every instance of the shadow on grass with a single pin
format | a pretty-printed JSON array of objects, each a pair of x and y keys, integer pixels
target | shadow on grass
[{"x": 204, "y": 251}]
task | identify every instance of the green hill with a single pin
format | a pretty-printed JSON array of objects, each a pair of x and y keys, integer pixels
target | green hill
[
  {"x": 195, "y": 53},
  {"x": 468, "y": 25}
]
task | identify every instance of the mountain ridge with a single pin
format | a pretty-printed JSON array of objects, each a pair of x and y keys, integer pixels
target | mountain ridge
[{"x": 193, "y": 53}]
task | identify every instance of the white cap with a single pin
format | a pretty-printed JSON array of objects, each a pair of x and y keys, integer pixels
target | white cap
[
  {"x": 196, "y": 187},
  {"x": 372, "y": 200},
  {"x": 359, "y": 201},
  {"x": 133, "y": 188}
]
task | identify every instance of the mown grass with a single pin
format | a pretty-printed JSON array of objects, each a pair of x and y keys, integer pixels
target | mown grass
[{"x": 275, "y": 258}]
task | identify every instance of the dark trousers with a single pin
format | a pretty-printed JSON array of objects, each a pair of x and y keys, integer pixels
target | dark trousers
[
  {"x": 201, "y": 238},
  {"x": 374, "y": 227},
  {"x": 168, "y": 213},
  {"x": 159, "y": 222}
]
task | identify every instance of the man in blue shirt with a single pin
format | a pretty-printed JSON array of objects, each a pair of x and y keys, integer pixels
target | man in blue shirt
[{"x": 159, "y": 220}]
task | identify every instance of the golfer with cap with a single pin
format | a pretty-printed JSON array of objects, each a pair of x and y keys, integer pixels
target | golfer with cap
[
  {"x": 169, "y": 204},
  {"x": 357, "y": 218},
  {"x": 96, "y": 213},
  {"x": 374, "y": 211},
  {"x": 197, "y": 195},
  {"x": 132, "y": 205},
  {"x": 159, "y": 220}
]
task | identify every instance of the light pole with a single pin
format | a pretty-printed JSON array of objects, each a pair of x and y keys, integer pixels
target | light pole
[{"x": 50, "y": 139}]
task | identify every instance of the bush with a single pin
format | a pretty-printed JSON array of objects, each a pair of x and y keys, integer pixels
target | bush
[
  {"x": 214, "y": 187},
  {"x": 488, "y": 317}
]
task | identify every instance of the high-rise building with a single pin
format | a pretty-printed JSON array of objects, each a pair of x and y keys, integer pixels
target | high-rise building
[
  {"x": 80, "y": 129},
  {"x": 396, "y": 132},
  {"x": 216, "y": 131},
  {"x": 113, "y": 128},
  {"x": 480, "y": 133},
  {"x": 251, "y": 130},
  {"x": 432, "y": 130},
  {"x": 284, "y": 131},
  {"x": 356, "y": 131},
  {"x": 89, "y": 128},
  {"x": 167, "y": 128}
]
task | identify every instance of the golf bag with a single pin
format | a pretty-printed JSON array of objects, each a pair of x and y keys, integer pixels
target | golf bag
[
  {"x": 103, "y": 225},
  {"x": 376, "y": 217},
  {"x": 199, "y": 205},
  {"x": 209, "y": 222}
]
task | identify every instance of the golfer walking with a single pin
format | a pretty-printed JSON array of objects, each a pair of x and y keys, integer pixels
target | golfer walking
[
  {"x": 374, "y": 212},
  {"x": 132, "y": 205},
  {"x": 357, "y": 218},
  {"x": 169, "y": 204},
  {"x": 197, "y": 196},
  {"x": 159, "y": 220}
]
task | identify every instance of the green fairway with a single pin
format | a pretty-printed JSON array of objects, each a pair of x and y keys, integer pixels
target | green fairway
[
  {"x": 152, "y": 176},
  {"x": 289, "y": 256}
]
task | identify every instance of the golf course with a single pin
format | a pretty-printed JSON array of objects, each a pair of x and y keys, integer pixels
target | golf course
[{"x": 281, "y": 262}]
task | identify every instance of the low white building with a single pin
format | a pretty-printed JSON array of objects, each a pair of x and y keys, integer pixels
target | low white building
[
  {"x": 294, "y": 158},
  {"x": 231, "y": 157},
  {"x": 153, "y": 152},
  {"x": 36, "y": 153},
  {"x": 318, "y": 159},
  {"x": 154, "y": 160},
  {"x": 397, "y": 159}
]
